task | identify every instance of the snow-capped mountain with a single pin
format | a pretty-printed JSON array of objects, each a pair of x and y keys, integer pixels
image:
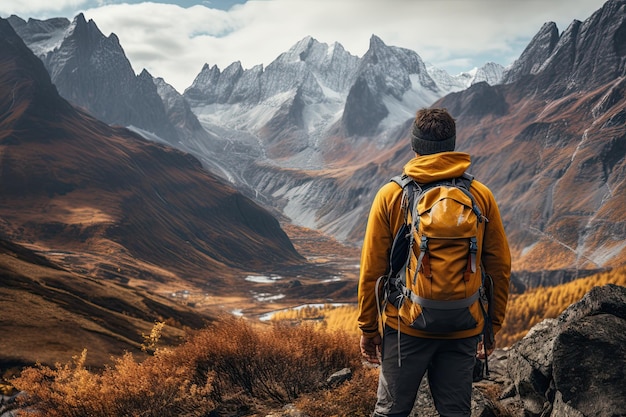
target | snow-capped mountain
[
  {"x": 312, "y": 109},
  {"x": 491, "y": 73},
  {"x": 313, "y": 92}
]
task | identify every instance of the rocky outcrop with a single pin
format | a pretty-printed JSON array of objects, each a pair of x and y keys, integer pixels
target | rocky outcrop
[{"x": 573, "y": 365}]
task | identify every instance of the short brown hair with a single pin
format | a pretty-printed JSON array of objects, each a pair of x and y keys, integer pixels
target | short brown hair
[{"x": 434, "y": 130}]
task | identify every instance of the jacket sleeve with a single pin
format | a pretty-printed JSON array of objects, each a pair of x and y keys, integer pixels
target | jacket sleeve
[
  {"x": 496, "y": 257},
  {"x": 374, "y": 259}
]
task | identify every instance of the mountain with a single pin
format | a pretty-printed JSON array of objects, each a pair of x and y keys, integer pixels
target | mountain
[
  {"x": 491, "y": 73},
  {"x": 586, "y": 55},
  {"x": 92, "y": 72},
  {"x": 307, "y": 120},
  {"x": 111, "y": 203},
  {"x": 310, "y": 93}
]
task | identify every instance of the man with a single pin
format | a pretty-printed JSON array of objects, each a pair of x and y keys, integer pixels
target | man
[{"x": 447, "y": 357}]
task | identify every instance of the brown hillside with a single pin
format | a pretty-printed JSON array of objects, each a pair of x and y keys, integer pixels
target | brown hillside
[
  {"x": 49, "y": 314},
  {"x": 557, "y": 168}
]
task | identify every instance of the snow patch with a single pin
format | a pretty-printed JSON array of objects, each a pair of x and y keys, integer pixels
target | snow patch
[
  {"x": 262, "y": 279},
  {"x": 264, "y": 297}
]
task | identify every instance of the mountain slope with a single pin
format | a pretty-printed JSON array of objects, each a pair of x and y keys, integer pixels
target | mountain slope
[
  {"x": 71, "y": 183},
  {"x": 50, "y": 315}
]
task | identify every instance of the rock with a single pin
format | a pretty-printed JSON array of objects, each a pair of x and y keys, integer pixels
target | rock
[
  {"x": 8, "y": 405},
  {"x": 530, "y": 366},
  {"x": 590, "y": 364},
  {"x": 339, "y": 377},
  {"x": 575, "y": 365},
  {"x": 609, "y": 299}
]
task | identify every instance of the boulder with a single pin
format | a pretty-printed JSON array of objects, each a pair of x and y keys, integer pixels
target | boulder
[{"x": 575, "y": 365}]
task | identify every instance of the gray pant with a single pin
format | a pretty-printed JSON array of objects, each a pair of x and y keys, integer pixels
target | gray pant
[{"x": 449, "y": 362}]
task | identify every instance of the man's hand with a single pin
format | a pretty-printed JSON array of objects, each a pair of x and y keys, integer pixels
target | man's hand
[
  {"x": 480, "y": 350},
  {"x": 370, "y": 349}
]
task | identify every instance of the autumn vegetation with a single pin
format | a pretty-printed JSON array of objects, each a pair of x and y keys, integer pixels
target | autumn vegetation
[
  {"x": 239, "y": 367},
  {"x": 233, "y": 368}
]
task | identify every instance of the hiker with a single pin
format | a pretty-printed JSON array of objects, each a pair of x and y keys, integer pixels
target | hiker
[{"x": 408, "y": 348}]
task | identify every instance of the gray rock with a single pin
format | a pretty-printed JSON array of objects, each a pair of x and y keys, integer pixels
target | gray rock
[
  {"x": 339, "y": 377},
  {"x": 574, "y": 365},
  {"x": 590, "y": 365}
]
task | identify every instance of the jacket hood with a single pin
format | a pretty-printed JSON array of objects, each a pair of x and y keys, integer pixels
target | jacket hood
[{"x": 438, "y": 166}]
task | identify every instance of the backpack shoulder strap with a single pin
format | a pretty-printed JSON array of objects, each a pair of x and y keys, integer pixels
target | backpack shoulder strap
[
  {"x": 402, "y": 180},
  {"x": 408, "y": 193},
  {"x": 465, "y": 181}
]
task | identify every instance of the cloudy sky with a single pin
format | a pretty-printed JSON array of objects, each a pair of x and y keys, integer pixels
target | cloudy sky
[{"x": 173, "y": 39}]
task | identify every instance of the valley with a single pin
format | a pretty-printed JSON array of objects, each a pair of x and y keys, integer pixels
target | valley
[{"x": 329, "y": 277}]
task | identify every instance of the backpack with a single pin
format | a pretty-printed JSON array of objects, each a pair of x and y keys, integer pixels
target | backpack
[{"x": 438, "y": 292}]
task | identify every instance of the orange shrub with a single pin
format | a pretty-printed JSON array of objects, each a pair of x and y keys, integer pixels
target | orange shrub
[
  {"x": 158, "y": 386},
  {"x": 268, "y": 364},
  {"x": 233, "y": 367}
]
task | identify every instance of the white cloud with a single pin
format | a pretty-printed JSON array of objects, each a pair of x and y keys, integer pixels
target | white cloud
[
  {"x": 174, "y": 42},
  {"x": 29, "y": 8}
]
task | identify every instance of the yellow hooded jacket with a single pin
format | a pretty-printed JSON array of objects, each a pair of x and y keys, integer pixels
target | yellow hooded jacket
[{"x": 385, "y": 218}]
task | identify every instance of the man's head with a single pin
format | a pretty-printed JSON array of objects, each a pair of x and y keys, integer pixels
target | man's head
[{"x": 433, "y": 131}]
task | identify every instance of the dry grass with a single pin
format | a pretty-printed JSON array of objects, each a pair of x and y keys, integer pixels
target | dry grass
[
  {"x": 233, "y": 368},
  {"x": 355, "y": 398},
  {"x": 160, "y": 385}
]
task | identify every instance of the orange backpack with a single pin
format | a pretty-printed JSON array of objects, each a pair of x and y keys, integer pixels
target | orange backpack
[{"x": 434, "y": 277}]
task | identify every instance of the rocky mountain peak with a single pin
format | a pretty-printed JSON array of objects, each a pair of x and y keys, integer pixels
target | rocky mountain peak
[
  {"x": 589, "y": 53},
  {"x": 376, "y": 43},
  {"x": 386, "y": 74},
  {"x": 85, "y": 64},
  {"x": 203, "y": 86},
  {"x": 491, "y": 73},
  {"x": 301, "y": 50},
  {"x": 535, "y": 53}
]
